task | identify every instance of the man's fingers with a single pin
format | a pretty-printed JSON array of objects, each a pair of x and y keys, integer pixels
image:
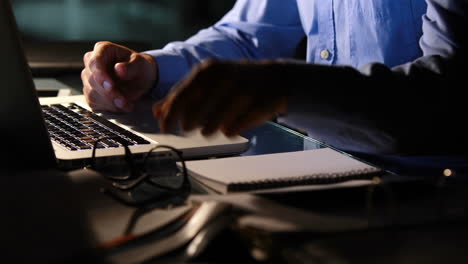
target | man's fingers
[
  {"x": 218, "y": 96},
  {"x": 204, "y": 95},
  {"x": 174, "y": 107},
  {"x": 98, "y": 66},
  {"x": 101, "y": 99},
  {"x": 106, "y": 97},
  {"x": 227, "y": 113},
  {"x": 157, "y": 111},
  {"x": 131, "y": 69},
  {"x": 96, "y": 104},
  {"x": 195, "y": 107},
  {"x": 88, "y": 79},
  {"x": 99, "y": 72},
  {"x": 96, "y": 101},
  {"x": 87, "y": 56},
  {"x": 106, "y": 50},
  {"x": 123, "y": 104},
  {"x": 102, "y": 60},
  {"x": 167, "y": 114},
  {"x": 252, "y": 116}
]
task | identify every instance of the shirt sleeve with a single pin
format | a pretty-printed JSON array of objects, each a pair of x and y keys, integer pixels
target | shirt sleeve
[
  {"x": 253, "y": 29},
  {"x": 415, "y": 108},
  {"x": 444, "y": 27}
]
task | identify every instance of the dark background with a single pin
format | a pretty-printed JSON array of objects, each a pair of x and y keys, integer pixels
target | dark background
[{"x": 151, "y": 22}]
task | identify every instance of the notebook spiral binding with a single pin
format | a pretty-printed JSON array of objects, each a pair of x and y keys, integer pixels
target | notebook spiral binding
[{"x": 331, "y": 178}]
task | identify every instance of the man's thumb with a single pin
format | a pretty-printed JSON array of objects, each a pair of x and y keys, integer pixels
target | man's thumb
[{"x": 128, "y": 70}]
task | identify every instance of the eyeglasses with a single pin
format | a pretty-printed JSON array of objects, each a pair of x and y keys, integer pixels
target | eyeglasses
[{"x": 157, "y": 175}]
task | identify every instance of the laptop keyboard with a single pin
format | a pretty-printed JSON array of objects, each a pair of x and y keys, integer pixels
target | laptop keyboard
[{"x": 76, "y": 128}]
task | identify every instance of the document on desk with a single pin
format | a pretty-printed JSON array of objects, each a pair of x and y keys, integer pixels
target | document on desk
[{"x": 280, "y": 170}]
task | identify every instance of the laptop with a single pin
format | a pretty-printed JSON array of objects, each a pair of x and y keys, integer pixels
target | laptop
[{"x": 51, "y": 131}]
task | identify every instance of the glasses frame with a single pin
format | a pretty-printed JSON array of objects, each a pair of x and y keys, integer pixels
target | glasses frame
[{"x": 137, "y": 175}]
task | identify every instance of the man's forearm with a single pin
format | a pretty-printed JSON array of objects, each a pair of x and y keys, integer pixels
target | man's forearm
[{"x": 251, "y": 30}]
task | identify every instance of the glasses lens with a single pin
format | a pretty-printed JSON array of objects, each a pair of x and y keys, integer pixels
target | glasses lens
[{"x": 165, "y": 169}]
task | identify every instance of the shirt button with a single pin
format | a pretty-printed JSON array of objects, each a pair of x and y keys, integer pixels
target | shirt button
[{"x": 325, "y": 54}]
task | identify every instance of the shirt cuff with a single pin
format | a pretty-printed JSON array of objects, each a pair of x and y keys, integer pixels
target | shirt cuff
[{"x": 171, "y": 68}]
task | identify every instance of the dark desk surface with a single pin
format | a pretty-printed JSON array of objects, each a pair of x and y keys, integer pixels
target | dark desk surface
[{"x": 405, "y": 216}]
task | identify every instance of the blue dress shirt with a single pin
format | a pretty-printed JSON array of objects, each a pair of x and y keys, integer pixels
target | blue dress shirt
[
  {"x": 416, "y": 103},
  {"x": 413, "y": 123},
  {"x": 338, "y": 32}
]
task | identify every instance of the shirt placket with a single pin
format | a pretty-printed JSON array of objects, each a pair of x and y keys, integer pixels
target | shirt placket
[{"x": 325, "y": 51}]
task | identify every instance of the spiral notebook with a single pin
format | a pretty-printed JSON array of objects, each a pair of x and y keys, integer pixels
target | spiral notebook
[{"x": 249, "y": 173}]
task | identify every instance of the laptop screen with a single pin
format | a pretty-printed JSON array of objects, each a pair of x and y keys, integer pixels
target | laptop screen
[{"x": 25, "y": 142}]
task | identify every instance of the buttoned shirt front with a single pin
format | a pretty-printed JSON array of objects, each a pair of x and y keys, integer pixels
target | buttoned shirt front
[{"x": 338, "y": 32}]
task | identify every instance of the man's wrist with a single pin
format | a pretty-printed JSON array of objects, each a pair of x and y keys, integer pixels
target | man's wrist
[{"x": 153, "y": 72}]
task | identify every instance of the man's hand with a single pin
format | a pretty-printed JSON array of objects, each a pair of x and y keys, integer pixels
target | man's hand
[
  {"x": 114, "y": 77},
  {"x": 226, "y": 96}
]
